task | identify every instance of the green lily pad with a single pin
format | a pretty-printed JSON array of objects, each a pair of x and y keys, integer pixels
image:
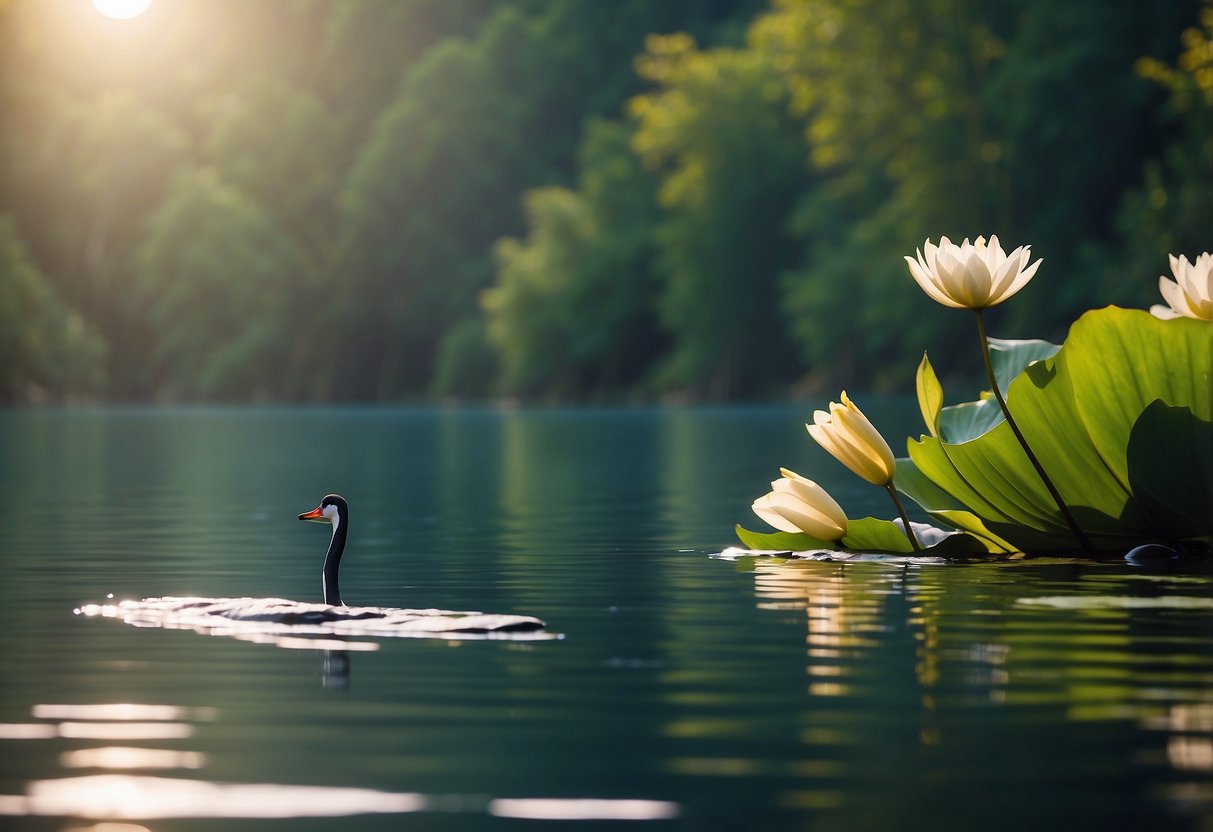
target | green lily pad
[
  {"x": 782, "y": 541},
  {"x": 868, "y": 534}
]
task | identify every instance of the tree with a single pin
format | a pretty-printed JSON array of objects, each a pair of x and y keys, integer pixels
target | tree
[
  {"x": 47, "y": 348},
  {"x": 730, "y": 160},
  {"x": 228, "y": 295},
  {"x": 476, "y": 123},
  {"x": 281, "y": 146},
  {"x": 102, "y": 166},
  {"x": 1172, "y": 211},
  {"x": 571, "y": 314},
  {"x": 933, "y": 117}
]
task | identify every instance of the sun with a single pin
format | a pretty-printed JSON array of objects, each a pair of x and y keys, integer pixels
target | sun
[{"x": 121, "y": 9}]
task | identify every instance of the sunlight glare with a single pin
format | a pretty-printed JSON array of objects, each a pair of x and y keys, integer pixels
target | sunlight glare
[{"x": 121, "y": 9}]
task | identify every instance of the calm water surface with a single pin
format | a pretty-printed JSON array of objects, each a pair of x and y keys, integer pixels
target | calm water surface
[{"x": 695, "y": 692}]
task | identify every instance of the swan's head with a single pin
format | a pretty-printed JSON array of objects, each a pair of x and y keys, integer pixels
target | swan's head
[{"x": 332, "y": 509}]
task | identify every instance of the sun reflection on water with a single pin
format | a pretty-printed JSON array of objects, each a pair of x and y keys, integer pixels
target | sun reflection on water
[
  {"x": 125, "y": 757},
  {"x": 115, "y": 798}
]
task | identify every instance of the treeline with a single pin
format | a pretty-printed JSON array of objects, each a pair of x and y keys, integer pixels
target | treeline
[{"x": 316, "y": 200}]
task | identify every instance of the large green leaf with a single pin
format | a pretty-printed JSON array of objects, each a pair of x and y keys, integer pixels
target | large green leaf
[
  {"x": 992, "y": 480},
  {"x": 1078, "y": 410},
  {"x": 943, "y": 506},
  {"x": 1170, "y": 445},
  {"x": 930, "y": 473},
  {"x": 1123, "y": 360},
  {"x": 969, "y": 420},
  {"x": 1042, "y": 401},
  {"x": 1010, "y": 358},
  {"x": 962, "y": 422}
]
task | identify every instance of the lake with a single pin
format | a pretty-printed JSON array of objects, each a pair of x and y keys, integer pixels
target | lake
[{"x": 685, "y": 692}]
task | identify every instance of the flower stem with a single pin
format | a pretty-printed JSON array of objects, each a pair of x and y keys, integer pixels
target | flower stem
[
  {"x": 904, "y": 519},
  {"x": 1078, "y": 533}
]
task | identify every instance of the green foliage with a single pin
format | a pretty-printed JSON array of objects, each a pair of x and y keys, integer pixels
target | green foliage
[
  {"x": 467, "y": 363},
  {"x": 1121, "y": 419},
  {"x": 47, "y": 348},
  {"x": 1172, "y": 210},
  {"x": 948, "y": 116},
  {"x": 571, "y": 312},
  {"x": 226, "y": 288},
  {"x": 293, "y": 180},
  {"x": 738, "y": 226},
  {"x": 717, "y": 133},
  {"x": 101, "y": 167}
]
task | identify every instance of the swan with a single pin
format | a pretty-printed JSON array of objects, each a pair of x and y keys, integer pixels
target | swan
[
  {"x": 256, "y": 618},
  {"x": 335, "y": 510}
]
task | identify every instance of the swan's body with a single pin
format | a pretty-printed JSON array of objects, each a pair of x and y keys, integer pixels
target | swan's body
[{"x": 335, "y": 510}]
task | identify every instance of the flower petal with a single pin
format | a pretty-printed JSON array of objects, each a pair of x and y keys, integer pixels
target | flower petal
[
  {"x": 814, "y": 495},
  {"x": 926, "y": 281},
  {"x": 1175, "y": 297},
  {"x": 794, "y": 511},
  {"x": 762, "y": 507},
  {"x": 1019, "y": 282}
]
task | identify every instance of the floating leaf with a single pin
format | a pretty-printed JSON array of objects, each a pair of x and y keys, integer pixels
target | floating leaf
[
  {"x": 872, "y": 535},
  {"x": 781, "y": 541},
  {"x": 867, "y": 535}
]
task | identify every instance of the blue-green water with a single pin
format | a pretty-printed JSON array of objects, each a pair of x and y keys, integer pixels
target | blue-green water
[{"x": 730, "y": 696}]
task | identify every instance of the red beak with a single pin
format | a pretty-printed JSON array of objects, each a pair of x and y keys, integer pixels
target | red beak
[{"x": 315, "y": 514}]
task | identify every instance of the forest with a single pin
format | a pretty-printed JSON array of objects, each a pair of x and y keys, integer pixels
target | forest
[{"x": 572, "y": 200}]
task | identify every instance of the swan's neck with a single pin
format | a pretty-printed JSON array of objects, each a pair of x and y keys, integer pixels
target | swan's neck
[{"x": 332, "y": 562}]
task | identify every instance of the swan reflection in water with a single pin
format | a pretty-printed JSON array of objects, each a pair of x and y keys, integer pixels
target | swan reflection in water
[{"x": 331, "y": 626}]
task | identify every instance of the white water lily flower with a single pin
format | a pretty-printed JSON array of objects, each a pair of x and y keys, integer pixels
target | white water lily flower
[
  {"x": 848, "y": 435},
  {"x": 973, "y": 275},
  {"x": 1190, "y": 294},
  {"x": 796, "y": 504}
]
